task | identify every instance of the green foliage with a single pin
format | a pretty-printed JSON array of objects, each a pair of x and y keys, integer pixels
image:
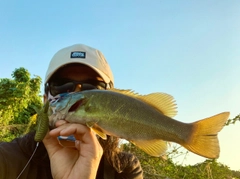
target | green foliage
[
  {"x": 165, "y": 168},
  {"x": 18, "y": 99},
  {"x": 233, "y": 121}
]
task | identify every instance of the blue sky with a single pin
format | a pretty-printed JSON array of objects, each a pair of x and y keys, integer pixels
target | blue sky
[{"x": 189, "y": 49}]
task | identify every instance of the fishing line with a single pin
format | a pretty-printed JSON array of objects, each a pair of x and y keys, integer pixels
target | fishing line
[{"x": 28, "y": 161}]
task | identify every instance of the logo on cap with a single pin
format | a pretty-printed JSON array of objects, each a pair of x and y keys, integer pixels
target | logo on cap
[{"x": 78, "y": 54}]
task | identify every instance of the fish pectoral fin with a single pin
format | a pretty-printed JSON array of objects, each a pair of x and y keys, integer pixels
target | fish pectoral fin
[
  {"x": 99, "y": 132},
  {"x": 96, "y": 129},
  {"x": 154, "y": 148}
]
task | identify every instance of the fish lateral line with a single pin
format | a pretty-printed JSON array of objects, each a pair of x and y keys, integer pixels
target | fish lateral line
[{"x": 102, "y": 104}]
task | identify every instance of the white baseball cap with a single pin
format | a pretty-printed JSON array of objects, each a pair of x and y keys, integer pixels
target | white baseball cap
[{"x": 81, "y": 54}]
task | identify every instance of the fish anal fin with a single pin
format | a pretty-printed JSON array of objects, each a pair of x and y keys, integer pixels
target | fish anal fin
[
  {"x": 154, "y": 148},
  {"x": 203, "y": 140}
]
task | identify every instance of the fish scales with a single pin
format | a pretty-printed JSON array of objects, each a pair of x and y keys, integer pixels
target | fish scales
[{"x": 114, "y": 109}]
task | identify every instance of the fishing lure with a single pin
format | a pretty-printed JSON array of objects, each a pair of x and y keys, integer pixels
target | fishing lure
[
  {"x": 42, "y": 123},
  {"x": 41, "y": 131}
]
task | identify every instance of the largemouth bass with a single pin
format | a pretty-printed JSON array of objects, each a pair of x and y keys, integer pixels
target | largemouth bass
[{"x": 144, "y": 120}]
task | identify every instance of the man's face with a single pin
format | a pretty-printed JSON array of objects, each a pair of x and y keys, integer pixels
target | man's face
[
  {"x": 78, "y": 73},
  {"x": 75, "y": 73}
]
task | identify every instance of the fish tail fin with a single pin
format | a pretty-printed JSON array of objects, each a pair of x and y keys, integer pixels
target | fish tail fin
[{"x": 204, "y": 140}]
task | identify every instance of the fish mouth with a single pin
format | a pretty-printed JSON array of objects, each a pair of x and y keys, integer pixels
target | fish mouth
[{"x": 75, "y": 106}]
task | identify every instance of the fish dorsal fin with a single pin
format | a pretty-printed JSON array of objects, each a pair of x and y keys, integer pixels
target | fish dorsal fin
[
  {"x": 127, "y": 92},
  {"x": 163, "y": 102},
  {"x": 154, "y": 147}
]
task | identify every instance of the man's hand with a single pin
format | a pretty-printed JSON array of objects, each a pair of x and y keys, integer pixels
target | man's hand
[{"x": 69, "y": 162}]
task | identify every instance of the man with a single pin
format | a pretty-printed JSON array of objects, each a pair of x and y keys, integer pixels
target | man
[{"x": 73, "y": 68}]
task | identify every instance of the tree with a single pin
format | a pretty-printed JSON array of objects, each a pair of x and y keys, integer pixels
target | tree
[
  {"x": 18, "y": 99},
  {"x": 233, "y": 121},
  {"x": 20, "y": 96},
  {"x": 165, "y": 168}
]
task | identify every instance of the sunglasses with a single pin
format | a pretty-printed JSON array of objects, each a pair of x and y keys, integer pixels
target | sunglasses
[{"x": 55, "y": 88}]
